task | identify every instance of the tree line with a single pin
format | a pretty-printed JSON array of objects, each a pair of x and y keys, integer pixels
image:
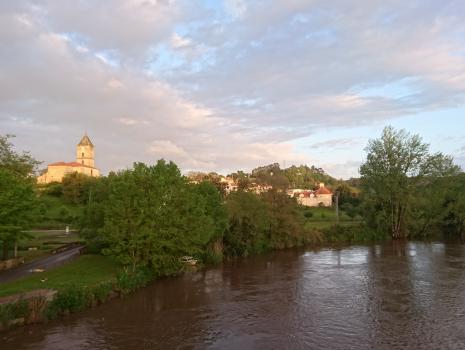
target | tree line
[{"x": 152, "y": 215}]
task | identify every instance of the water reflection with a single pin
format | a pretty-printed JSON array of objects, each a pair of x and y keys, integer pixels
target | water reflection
[{"x": 399, "y": 295}]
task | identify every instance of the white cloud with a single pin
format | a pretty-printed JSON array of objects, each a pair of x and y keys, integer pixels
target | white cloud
[{"x": 222, "y": 93}]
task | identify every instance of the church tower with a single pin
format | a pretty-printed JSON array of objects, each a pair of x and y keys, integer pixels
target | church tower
[{"x": 85, "y": 152}]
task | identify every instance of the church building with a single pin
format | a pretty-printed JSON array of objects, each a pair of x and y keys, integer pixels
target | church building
[{"x": 84, "y": 164}]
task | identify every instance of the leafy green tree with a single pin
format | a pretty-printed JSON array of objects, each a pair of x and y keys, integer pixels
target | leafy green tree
[
  {"x": 152, "y": 216},
  {"x": 285, "y": 228},
  {"x": 396, "y": 165},
  {"x": 249, "y": 225},
  {"x": 17, "y": 202},
  {"x": 455, "y": 202},
  {"x": 76, "y": 187},
  {"x": 20, "y": 164},
  {"x": 17, "y": 197}
]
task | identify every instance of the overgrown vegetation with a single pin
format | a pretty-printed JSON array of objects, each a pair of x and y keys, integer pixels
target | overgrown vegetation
[
  {"x": 13, "y": 311},
  {"x": 17, "y": 199},
  {"x": 406, "y": 190}
]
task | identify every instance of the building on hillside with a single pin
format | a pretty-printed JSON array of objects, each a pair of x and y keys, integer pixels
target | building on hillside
[
  {"x": 84, "y": 164},
  {"x": 260, "y": 188},
  {"x": 229, "y": 184},
  {"x": 313, "y": 198}
]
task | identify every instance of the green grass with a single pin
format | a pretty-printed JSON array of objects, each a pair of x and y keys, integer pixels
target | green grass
[
  {"x": 323, "y": 218},
  {"x": 55, "y": 212},
  {"x": 88, "y": 270},
  {"x": 327, "y": 224}
]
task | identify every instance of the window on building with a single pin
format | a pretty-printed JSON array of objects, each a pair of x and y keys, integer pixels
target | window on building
[
  {"x": 82, "y": 154},
  {"x": 82, "y": 162}
]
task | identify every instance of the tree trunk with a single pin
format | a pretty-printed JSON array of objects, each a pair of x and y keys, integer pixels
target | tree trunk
[
  {"x": 5, "y": 250},
  {"x": 16, "y": 250}
]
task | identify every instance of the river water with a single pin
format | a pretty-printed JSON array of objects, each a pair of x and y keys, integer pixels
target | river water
[{"x": 394, "y": 296}]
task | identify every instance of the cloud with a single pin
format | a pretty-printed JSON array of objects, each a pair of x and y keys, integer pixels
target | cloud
[
  {"x": 221, "y": 86},
  {"x": 335, "y": 143}
]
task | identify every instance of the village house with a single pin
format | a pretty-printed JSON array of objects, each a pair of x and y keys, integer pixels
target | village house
[
  {"x": 313, "y": 198},
  {"x": 229, "y": 184},
  {"x": 84, "y": 164}
]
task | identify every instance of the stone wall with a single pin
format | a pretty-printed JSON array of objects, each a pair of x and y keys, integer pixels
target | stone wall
[{"x": 326, "y": 200}]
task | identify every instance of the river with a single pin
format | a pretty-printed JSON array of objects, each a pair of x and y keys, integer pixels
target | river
[{"x": 390, "y": 296}]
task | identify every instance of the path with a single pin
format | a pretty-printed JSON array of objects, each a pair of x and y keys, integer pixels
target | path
[{"x": 45, "y": 263}]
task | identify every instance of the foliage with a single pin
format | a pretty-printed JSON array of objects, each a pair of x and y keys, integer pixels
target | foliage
[
  {"x": 454, "y": 220},
  {"x": 71, "y": 299},
  {"x": 17, "y": 197},
  {"x": 54, "y": 189},
  {"x": 249, "y": 225},
  {"x": 352, "y": 234},
  {"x": 76, "y": 187},
  {"x": 19, "y": 165},
  {"x": 102, "y": 291},
  {"x": 258, "y": 223},
  {"x": 150, "y": 216},
  {"x": 397, "y": 165},
  {"x": 128, "y": 281},
  {"x": 307, "y": 177},
  {"x": 54, "y": 212},
  {"x": 12, "y": 311}
]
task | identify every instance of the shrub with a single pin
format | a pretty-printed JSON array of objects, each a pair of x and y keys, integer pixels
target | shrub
[
  {"x": 308, "y": 214},
  {"x": 10, "y": 312},
  {"x": 127, "y": 281},
  {"x": 351, "y": 234},
  {"x": 101, "y": 292},
  {"x": 69, "y": 300}
]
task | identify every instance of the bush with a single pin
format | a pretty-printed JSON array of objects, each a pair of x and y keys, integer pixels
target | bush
[
  {"x": 101, "y": 292},
  {"x": 352, "y": 234},
  {"x": 71, "y": 299},
  {"x": 10, "y": 312},
  {"x": 127, "y": 282},
  {"x": 308, "y": 214},
  {"x": 209, "y": 257}
]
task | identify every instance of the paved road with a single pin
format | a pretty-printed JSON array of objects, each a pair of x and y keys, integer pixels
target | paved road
[{"x": 45, "y": 263}]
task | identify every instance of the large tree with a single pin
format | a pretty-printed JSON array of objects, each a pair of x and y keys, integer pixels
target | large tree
[
  {"x": 17, "y": 199},
  {"x": 151, "y": 216},
  {"x": 19, "y": 164},
  {"x": 397, "y": 165}
]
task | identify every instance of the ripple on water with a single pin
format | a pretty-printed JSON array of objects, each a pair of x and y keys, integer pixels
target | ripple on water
[{"x": 395, "y": 296}]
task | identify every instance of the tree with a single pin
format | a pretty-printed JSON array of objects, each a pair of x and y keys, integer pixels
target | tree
[
  {"x": 396, "y": 165},
  {"x": 17, "y": 201},
  {"x": 249, "y": 224},
  {"x": 455, "y": 202},
  {"x": 152, "y": 216},
  {"x": 76, "y": 187},
  {"x": 17, "y": 197},
  {"x": 20, "y": 164}
]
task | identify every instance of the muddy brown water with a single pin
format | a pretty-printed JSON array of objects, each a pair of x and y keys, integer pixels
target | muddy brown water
[{"x": 393, "y": 296}]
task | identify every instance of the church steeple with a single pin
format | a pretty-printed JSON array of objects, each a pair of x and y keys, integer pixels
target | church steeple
[
  {"x": 85, "y": 141},
  {"x": 85, "y": 152}
]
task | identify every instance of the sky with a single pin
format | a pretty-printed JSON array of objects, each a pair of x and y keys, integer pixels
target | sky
[{"x": 233, "y": 84}]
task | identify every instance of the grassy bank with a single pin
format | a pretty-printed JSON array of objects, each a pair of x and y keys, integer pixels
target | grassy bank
[{"x": 87, "y": 271}]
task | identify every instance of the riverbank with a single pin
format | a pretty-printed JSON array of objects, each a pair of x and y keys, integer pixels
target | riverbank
[
  {"x": 370, "y": 296},
  {"x": 84, "y": 283},
  {"x": 93, "y": 279}
]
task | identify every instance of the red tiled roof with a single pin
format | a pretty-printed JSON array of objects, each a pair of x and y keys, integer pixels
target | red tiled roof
[
  {"x": 323, "y": 190},
  {"x": 72, "y": 164}
]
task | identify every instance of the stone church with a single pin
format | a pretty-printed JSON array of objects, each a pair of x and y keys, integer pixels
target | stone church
[{"x": 84, "y": 164}]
